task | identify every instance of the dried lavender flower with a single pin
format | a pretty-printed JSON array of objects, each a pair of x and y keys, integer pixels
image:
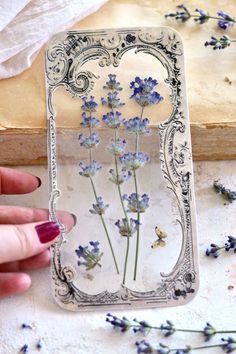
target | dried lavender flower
[
  {"x": 113, "y": 120},
  {"x": 180, "y": 15},
  {"x": 39, "y": 344},
  {"x": 229, "y": 344},
  {"x": 225, "y": 192},
  {"x": 122, "y": 323},
  {"x": 90, "y": 254},
  {"x": 119, "y": 179},
  {"x": 127, "y": 229},
  {"x": 112, "y": 101},
  {"x": 209, "y": 331},
  {"x": 136, "y": 203},
  {"x": 133, "y": 160},
  {"x": 89, "y": 142},
  {"x": 213, "y": 250},
  {"x": 26, "y": 326},
  {"x": 89, "y": 105},
  {"x": 220, "y": 43},
  {"x": 89, "y": 170},
  {"x": 112, "y": 84},
  {"x": 117, "y": 148},
  {"x": 143, "y": 92},
  {"x": 168, "y": 328},
  {"x": 203, "y": 16},
  {"x": 226, "y": 20},
  {"x": 100, "y": 207},
  {"x": 137, "y": 126},
  {"x": 231, "y": 243},
  {"x": 89, "y": 121}
]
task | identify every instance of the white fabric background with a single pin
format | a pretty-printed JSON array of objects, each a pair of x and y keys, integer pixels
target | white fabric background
[{"x": 26, "y": 25}]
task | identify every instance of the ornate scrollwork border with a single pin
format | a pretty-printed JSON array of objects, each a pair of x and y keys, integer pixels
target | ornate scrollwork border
[{"x": 65, "y": 56}]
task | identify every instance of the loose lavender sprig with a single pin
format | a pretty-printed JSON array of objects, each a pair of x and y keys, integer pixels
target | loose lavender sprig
[
  {"x": 90, "y": 170},
  {"x": 90, "y": 254},
  {"x": 202, "y": 16},
  {"x": 226, "y": 193},
  {"x": 144, "y": 95},
  {"x": 215, "y": 250},
  {"x": 144, "y": 346},
  {"x": 168, "y": 328}
]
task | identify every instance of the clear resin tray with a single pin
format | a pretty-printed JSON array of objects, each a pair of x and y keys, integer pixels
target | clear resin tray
[{"x": 119, "y": 158}]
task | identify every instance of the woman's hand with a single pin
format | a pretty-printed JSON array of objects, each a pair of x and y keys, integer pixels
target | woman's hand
[{"x": 25, "y": 233}]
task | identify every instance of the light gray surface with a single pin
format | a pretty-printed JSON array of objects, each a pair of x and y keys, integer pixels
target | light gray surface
[{"x": 80, "y": 333}]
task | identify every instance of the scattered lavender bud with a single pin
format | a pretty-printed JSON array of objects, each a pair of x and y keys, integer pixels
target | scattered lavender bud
[
  {"x": 231, "y": 243},
  {"x": 26, "y": 325},
  {"x": 39, "y": 344},
  {"x": 213, "y": 250},
  {"x": 225, "y": 192},
  {"x": 25, "y": 349}
]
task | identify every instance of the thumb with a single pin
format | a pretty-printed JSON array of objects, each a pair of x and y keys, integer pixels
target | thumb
[{"x": 24, "y": 241}]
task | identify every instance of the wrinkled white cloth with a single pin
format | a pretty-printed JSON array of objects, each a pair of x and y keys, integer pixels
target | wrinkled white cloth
[{"x": 26, "y": 25}]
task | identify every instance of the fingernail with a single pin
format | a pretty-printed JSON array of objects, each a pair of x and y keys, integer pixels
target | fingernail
[
  {"x": 39, "y": 181},
  {"x": 74, "y": 218},
  {"x": 47, "y": 231}
]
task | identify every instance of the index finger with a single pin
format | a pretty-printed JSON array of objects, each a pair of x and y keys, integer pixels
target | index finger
[{"x": 17, "y": 182}]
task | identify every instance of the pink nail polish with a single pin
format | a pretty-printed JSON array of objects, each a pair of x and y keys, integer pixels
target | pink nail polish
[{"x": 47, "y": 231}]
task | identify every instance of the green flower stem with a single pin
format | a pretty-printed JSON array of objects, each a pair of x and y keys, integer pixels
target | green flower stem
[
  {"x": 138, "y": 214},
  {"x": 126, "y": 260},
  {"x": 105, "y": 228},
  {"x": 125, "y": 213},
  {"x": 90, "y": 150},
  {"x": 93, "y": 258},
  {"x": 210, "y": 17},
  {"x": 183, "y": 330},
  {"x": 198, "y": 348}
]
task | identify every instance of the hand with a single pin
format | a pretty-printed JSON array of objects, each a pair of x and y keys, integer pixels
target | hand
[{"x": 25, "y": 233}]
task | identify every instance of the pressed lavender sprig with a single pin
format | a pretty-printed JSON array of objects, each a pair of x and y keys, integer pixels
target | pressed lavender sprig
[
  {"x": 144, "y": 95},
  {"x": 114, "y": 120},
  {"x": 168, "y": 328},
  {"x": 226, "y": 193},
  {"x": 90, "y": 254},
  {"x": 202, "y": 16},
  {"x": 214, "y": 250},
  {"x": 90, "y": 170}
]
